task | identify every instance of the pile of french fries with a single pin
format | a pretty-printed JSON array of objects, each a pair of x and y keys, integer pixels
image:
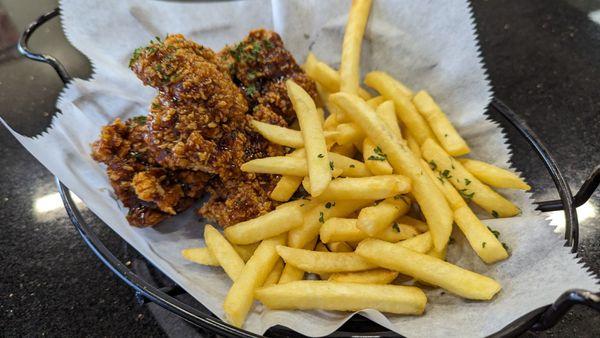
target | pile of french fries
[{"x": 386, "y": 186}]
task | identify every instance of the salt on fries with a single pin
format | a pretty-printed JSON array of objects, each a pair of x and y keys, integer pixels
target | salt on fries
[{"x": 392, "y": 152}]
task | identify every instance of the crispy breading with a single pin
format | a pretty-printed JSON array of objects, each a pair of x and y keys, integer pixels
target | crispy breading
[{"x": 150, "y": 192}]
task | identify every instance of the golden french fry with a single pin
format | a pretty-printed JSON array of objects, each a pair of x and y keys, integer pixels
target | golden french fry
[
  {"x": 373, "y": 220},
  {"x": 375, "y": 276},
  {"x": 320, "y": 247},
  {"x": 421, "y": 243},
  {"x": 430, "y": 199},
  {"x": 286, "y": 136},
  {"x": 494, "y": 176},
  {"x": 353, "y": 35},
  {"x": 415, "y": 223},
  {"x": 330, "y": 123},
  {"x": 343, "y": 297},
  {"x": 287, "y": 185},
  {"x": 345, "y": 229},
  {"x": 406, "y": 111},
  {"x": 291, "y": 273},
  {"x": 347, "y": 150},
  {"x": 268, "y": 225},
  {"x": 459, "y": 281},
  {"x": 387, "y": 113},
  {"x": 443, "y": 129},
  {"x": 200, "y": 255},
  {"x": 245, "y": 251},
  {"x": 452, "y": 196},
  {"x": 310, "y": 62},
  {"x": 481, "y": 239},
  {"x": 312, "y": 134},
  {"x": 241, "y": 294},
  {"x": 275, "y": 274},
  {"x": 375, "y": 159},
  {"x": 278, "y": 165},
  {"x": 329, "y": 78},
  {"x": 376, "y": 101},
  {"x": 413, "y": 145},
  {"x": 441, "y": 254},
  {"x": 323, "y": 262},
  {"x": 467, "y": 185},
  {"x": 223, "y": 251},
  {"x": 339, "y": 247},
  {"x": 348, "y": 133},
  {"x": 372, "y": 187},
  {"x": 350, "y": 167},
  {"x": 316, "y": 216}
]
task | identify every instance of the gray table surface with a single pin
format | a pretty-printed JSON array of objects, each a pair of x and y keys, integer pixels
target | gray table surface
[{"x": 543, "y": 59}]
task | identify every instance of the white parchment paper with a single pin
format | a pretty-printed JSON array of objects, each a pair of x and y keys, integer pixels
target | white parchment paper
[{"x": 427, "y": 44}]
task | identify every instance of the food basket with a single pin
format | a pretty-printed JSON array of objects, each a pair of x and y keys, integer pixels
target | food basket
[{"x": 166, "y": 296}]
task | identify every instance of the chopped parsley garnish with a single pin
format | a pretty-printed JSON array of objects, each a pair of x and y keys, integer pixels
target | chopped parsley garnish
[
  {"x": 495, "y": 214},
  {"x": 464, "y": 193},
  {"x": 379, "y": 155},
  {"x": 352, "y": 166},
  {"x": 396, "y": 227},
  {"x": 505, "y": 246},
  {"x": 155, "y": 105},
  {"x": 444, "y": 174},
  {"x": 331, "y": 165},
  {"x": 269, "y": 44},
  {"x": 321, "y": 217},
  {"x": 467, "y": 181},
  {"x": 136, "y": 155},
  {"x": 495, "y": 232},
  {"x": 250, "y": 90},
  {"x": 157, "y": 38},
  {"x": 329, "y": 205},
  {"x": 139, "y": 119},
  {"x": 320, "y": 156},
  {"x": 445, "y": 135},
  {"x": 432, "y": 165},
  {"x": 302, "y": 204},
  {"x": 483, "y": 244}
]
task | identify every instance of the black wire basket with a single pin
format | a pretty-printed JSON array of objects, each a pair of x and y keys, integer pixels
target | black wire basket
[{"x": 536, "y": 320}]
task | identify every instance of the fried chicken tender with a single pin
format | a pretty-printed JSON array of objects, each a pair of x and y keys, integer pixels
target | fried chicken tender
[
  {"x": 260, "y": 64},
  {"x": 150, "y": 192}
]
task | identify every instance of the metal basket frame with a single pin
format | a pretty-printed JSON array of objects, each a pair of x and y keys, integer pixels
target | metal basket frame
[{"x": 537, "y": 320}]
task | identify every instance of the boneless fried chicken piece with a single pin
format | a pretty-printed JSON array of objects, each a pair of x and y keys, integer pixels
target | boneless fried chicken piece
[
  {"x": 150, "y": 192},
  {"x": 260, "y": 64},
  {"x": 198, "y": 109}
]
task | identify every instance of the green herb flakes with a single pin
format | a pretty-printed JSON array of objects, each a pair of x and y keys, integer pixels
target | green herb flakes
[
  {"x": 331, "y": 165},
  {"x": 396, "y": 227},
  {"x": 352, "y": 166},
  {"x": 465, "y": 193},
  {"x": 495, "y": 232},
  {"x": 139, "y": 119},
  {"x": 483, "y": 244},
  {"x": 321, "y": 217},
  {"x": 320, "y": 156},
  {"x": 495, "y": 214},
  {"x": 467, "y": 181},
  {"x": 432, "y": 165},
  {"x": 328, "y": 205}
]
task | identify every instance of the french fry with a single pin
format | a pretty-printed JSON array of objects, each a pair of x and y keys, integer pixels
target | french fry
[
  {"x": 375, "y": 159},
  {"x": 376, "y": 101},
  {"x": 278, "y": 165},
  {"x": 372, "y": 220},
  {"x": 413, "y": 145},
  {"x": 274, "y": 275},
  {"x": 494, "y": 176},
  {"x": 310, "y": 62},
  {"x": 225, "y": 254},
  {"x": 441, "y": 254},
  {"x": 330, "y": 123},
  {"x": 320, "y": 247},
  {"x": 415, "y": 223},
  {"x": 347, "y": 150},
  {"x": 430, "y": 199},
  {"x": 339, "y": 247},
  {"x": 452, "y": 196},
  {"x": 245, "y": 251},
  {"x": 353, "y": 35},
  {"x": 443, "y": 129},
  {"x": 241, "y": 294},
  {"x": 481, "y": 239},
  {"x": 201, "y": 256},
  {"x": 467, "y": 185},
  {"x": 287, "y": 185},
  {"x": 421, "y": 243},
  {"x": 387, "y": 113},
  {"x": 285, "y": 136},
  {"x": 312, "y": 134},
  {"x": 348, "y": 133},
  {"x": 406, "y": 111},
  {"x": 316, "y": 216},
  {"x": 291, "y": 273},
  {"x": 345, "y": 229},
  {"x": 323, "y": 262},
  {"x": 375, "y": 276},
  {"x": 268, "y": 225},
  {"x": 372, "y": 187},
  {"x": 459, "y": 281},
  {"x": 350, "y": 167},
  {"x": 343, "y": 297},
  {"x": 329, "y": 78}
]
